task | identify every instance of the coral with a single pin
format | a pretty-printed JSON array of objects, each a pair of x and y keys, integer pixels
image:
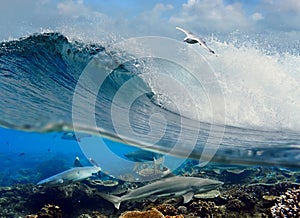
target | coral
[
  {"x": 182, "y": 209},
  {"x": 167, "y": 209},
  {"x": 48, "y": 211},
  {"x": 206, "y": 209},
  {"x": 176, "y": 216},
  {"x": 153, "y": 213},
  {"x": 270, "y": 197},
  {"x": 164, "y": 210},
  {"x": 240, "y": 197},
  {"x": 235, "y": 205},
  {"x": 94, "y": 214},
  {"x": 288, "y": 204}
]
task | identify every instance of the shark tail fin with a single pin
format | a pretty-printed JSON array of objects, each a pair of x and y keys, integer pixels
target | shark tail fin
[{"x": 112, "y": 198}]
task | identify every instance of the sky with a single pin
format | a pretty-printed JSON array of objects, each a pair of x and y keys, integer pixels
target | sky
[{"x": 127, "y": 18}]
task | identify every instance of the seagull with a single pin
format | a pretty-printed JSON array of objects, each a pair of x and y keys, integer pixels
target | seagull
[{"x": 193, "y": 39}]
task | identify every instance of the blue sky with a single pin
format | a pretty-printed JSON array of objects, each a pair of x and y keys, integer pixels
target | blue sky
[{"x": 129, "y": 18}]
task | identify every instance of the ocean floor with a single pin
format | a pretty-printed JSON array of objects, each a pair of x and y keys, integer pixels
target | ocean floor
[{"x": 247, "y": 192}]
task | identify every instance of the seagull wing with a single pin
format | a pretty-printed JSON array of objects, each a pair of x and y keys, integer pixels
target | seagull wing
[
  {"x": 187, "y": 33},
  {"x": 190, "y": 34},
  {"x": 203, "y": 43}
]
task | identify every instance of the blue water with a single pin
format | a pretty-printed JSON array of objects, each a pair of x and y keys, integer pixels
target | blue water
[{"x": 39, "y": 74}]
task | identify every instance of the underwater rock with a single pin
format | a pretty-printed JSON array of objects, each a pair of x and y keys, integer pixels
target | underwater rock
[
  {"x": 48, "y": 211},
  {"x": 153, "y": 213},
  {"x": 288, "y": 204}
]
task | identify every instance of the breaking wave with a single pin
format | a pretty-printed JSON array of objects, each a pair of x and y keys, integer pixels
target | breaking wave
[{"x": 39, "y": 74}]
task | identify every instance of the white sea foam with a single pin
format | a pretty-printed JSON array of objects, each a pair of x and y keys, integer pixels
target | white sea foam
[{"x": 261, "y": 88}]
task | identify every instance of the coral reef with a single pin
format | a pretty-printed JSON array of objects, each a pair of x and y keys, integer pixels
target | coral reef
[
  {"x": 167, "y": 209},
  {"x": 206, "y": 209},
  {"x": 81, "y": 200},
  {"x": 153, "y": 213},
  {"x": 48, "y": 211},
  {"x": 288, "y": 204},
  {"x": 176, "y": 216},
  {"x": 93, "y": 214}
]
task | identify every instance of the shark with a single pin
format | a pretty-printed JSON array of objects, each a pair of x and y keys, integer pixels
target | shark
[
  {"x": 75, "y": 137},
  {"x": 142, "y": 156},
  {"x": 75, "y": 174},
  {"x": 172, "y": 186}
]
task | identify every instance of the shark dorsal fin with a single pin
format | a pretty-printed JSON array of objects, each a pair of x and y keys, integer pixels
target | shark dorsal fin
[
  {"x": 187, "y": 197},
  {"x": 77, "y": 162},
  {"x": 152, "y": 198}
]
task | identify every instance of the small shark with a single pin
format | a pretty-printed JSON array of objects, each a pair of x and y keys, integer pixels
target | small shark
[
  {"x": 74, "y": 174},
  {"x": 75, "y": 137},
  {"x": 193, "y": 39},
  {"x": 142, "y": 156},
  {"x": 172, "y": 186}
]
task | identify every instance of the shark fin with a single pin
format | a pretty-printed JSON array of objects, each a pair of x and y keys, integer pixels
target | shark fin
[
  {"x": 77, "y": 162},
  {"x": 112, "y": 198},
  {"x": 152, "y": 198},
  {"x": 187, "y": 197}
]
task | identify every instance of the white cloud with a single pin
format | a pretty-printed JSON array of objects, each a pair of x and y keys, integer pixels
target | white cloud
[
  {"x": 221, "y": 16},
  {"x": 212, "y": 15},
  {"x": 257, "y": 16},
  {"x": 280, "y": 6},
  {"x": 77, "y": 10},
  {"x": 161, "y": 7},
  {"x": 156, "y": 18},
  {"x": 151, "y": 22},
  {"x": 72, "y": 8},
  {"x": 155, "y": 13},
  {"x": 281, "y": 15}
]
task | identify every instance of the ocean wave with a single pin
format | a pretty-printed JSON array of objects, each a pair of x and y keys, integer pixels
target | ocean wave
[{"x": 39, "y": 75}]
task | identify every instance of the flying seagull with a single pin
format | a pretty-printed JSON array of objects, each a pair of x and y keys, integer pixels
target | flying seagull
[{"x": 193, "y": 39}]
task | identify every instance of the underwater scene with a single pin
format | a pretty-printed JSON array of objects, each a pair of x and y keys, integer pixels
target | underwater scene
[{"x": 135, "y": 115}]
